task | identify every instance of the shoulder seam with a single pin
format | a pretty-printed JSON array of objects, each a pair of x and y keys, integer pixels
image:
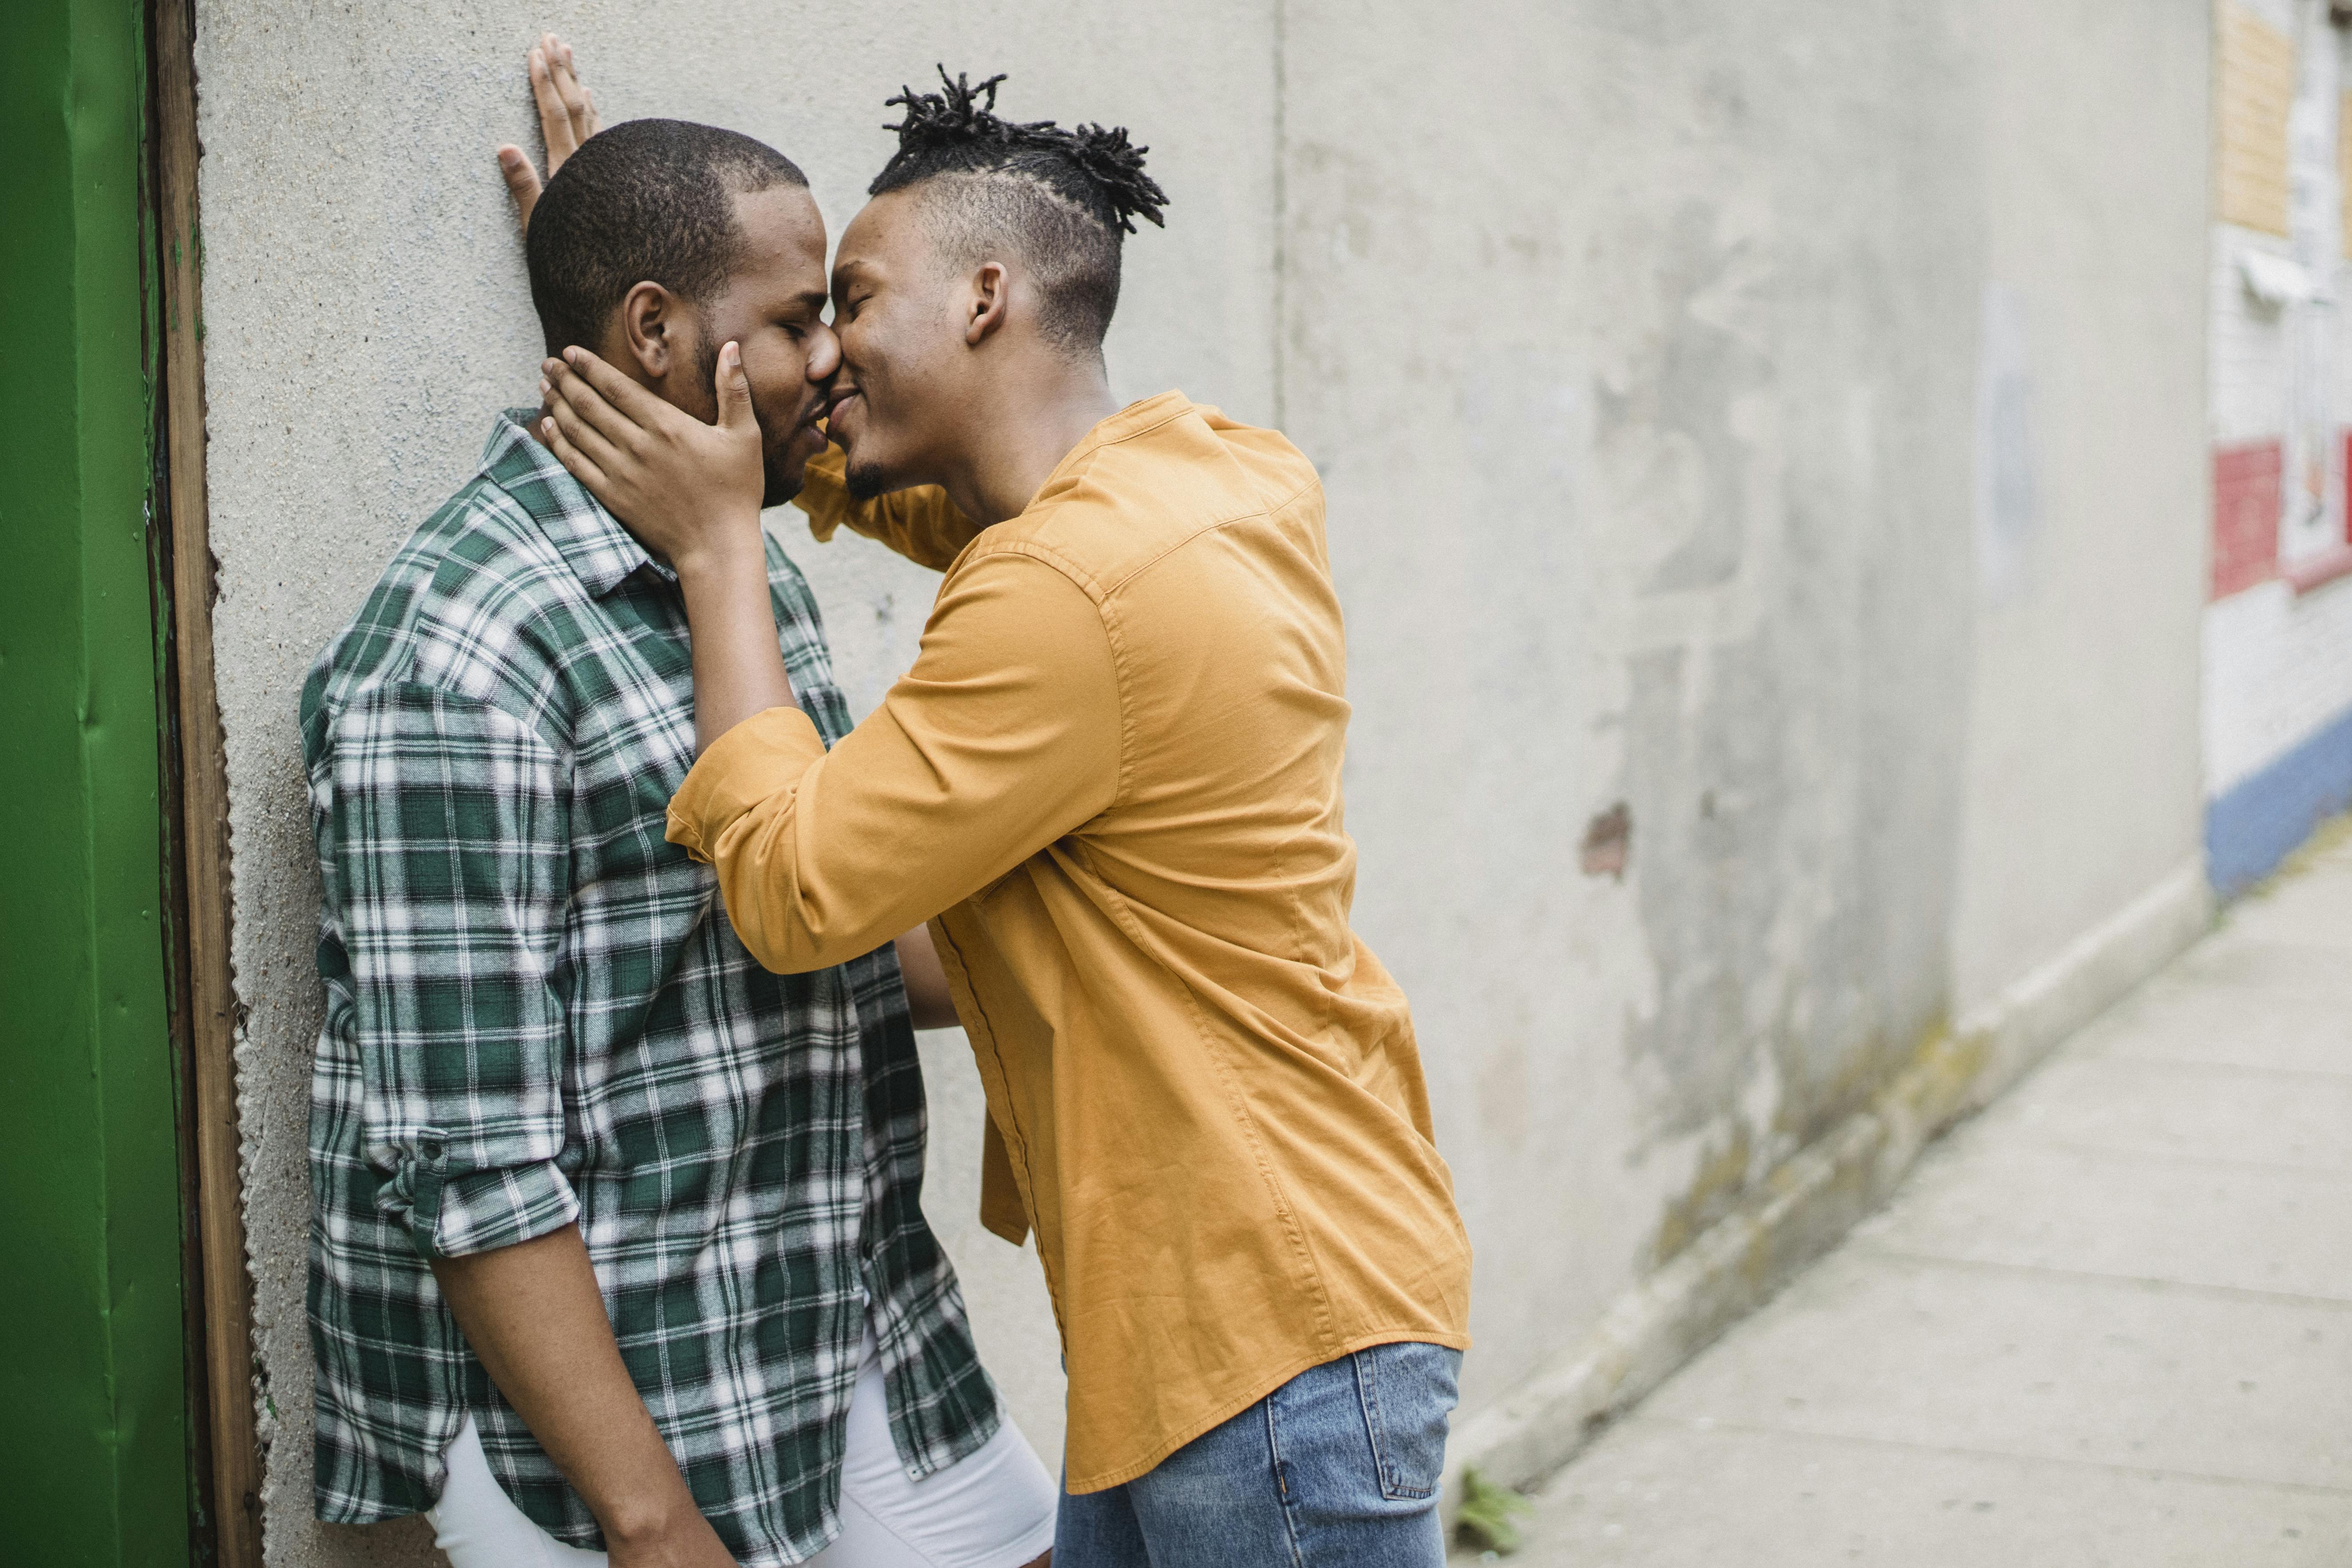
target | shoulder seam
[
  {"x": 1044, "y": 555},
  {"x": 1140, "y": 567}
]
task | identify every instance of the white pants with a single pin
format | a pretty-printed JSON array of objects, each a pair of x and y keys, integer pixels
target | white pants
[{"x": 993, "y": 1508}]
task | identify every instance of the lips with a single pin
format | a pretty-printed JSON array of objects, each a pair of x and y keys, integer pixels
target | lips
[{"x": 812, "y": 427}]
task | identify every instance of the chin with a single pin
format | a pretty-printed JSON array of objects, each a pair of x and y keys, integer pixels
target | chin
[
  {"x": 866, "y": 480},
  {"x": 784, "y": 480}
]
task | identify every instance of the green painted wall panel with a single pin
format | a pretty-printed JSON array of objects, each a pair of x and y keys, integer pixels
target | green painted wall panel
[{"x": 93, "y": 1436}]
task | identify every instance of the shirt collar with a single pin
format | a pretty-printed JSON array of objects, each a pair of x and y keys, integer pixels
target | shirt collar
[
  {"x": 1135, "y": 419},
  {"x": 600, "y": 551}
]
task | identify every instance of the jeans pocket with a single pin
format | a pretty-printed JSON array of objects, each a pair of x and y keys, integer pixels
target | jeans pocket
[{"x": 1408, "y": 1392}]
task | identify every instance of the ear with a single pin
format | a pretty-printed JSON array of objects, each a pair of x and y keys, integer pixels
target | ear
[
  {"x": 653, "y": 331},
  {"x": 990, "y": 303}
]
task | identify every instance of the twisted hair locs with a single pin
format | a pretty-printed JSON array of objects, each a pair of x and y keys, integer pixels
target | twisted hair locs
[{"x": 961, "y": 119}]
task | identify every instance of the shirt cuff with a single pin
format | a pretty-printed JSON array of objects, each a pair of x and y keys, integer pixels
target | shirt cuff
[
  {"x": 454, "y": 1215},
  {"x": 763, "y": 755}
]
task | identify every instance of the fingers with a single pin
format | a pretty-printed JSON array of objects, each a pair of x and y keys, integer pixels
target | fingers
[
  {"x": 554, "y": 118},
  {"x": 614, "y": 404},
  {"x": 585, "y": 120},
  {"x": 625, "y": 429},
  {"x": 734, "y": 390},
  {"x": 522, "y": 182},
  {"x": 567, "y": 116},
  {"x": 580, "y": 467},
  {"x": 583, "y": 450}
]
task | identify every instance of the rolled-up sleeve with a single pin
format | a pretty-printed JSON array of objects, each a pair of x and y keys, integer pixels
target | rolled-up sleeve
[
  {"x": 921, "y": 524},
  {"x": 451, "y": 818},
  {"x": 1005, "y": 736}
]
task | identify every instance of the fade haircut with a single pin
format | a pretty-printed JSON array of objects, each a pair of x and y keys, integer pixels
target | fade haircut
[
  {"x": 649, "y": 201},
  {"x": 1061, "y": 200}
]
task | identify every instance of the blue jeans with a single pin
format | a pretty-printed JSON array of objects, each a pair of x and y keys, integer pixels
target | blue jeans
[{"x": 1337, "y": 1469}]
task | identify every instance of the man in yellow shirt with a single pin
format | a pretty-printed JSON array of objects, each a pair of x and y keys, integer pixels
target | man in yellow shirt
[{"x": 1112, "y": 784}]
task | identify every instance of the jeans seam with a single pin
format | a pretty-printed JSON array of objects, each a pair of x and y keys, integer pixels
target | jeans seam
[
  {"x": 1282, "y": 1483},
  {"x": 1368, "y": 1404}
]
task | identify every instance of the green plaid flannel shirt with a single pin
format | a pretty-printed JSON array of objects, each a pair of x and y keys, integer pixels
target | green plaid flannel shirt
[{"x": 538, "y": 1014}]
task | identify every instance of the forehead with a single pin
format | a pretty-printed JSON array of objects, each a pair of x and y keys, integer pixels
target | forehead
[
  {"x": 783, "y": 237},
  {"x": 880, "y": 234}
]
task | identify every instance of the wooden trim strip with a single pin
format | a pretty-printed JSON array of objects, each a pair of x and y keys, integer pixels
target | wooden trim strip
[{"x": 227, "y": 1295}]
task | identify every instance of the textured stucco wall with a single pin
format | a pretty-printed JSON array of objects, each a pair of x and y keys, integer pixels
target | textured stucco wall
[{"x": 1642, "y": 347}]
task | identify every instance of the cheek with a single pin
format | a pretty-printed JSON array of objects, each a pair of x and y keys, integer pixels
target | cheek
[
  {"x": 885, "y": 363},
  {"x": 778, "y": 370}
]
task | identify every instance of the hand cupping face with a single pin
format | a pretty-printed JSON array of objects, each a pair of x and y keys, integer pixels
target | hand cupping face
[{"x": 690, "y": 492}]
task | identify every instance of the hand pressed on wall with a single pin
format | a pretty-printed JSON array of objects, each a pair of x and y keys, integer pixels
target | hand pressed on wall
[{"x": 567, "y": 117}]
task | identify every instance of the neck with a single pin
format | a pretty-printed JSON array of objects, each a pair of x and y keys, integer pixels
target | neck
[{"x": 1002, "y": 472}]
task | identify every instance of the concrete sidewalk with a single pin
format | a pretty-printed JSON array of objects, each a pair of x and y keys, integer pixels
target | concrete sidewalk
[{"x": 2108, "y": 1321}]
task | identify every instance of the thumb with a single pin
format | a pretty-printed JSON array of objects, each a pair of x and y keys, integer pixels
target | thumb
[
  {"x": 734, "y": 390},
  {"x": 522, "y": 182}
]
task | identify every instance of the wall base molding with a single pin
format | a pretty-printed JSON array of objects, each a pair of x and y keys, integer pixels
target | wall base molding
[{"x": 1809, "y": 1202}]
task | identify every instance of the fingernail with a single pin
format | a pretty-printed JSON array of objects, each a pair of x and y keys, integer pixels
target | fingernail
[
  {"x": 571, "y": 355},
  {"x": 544, "y": 386}
]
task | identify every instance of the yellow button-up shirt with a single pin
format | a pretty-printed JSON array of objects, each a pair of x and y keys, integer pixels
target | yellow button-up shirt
[{"x": 1111, "y": 782}]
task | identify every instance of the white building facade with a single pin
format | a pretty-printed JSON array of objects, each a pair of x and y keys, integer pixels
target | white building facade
[{"x": 2278, "y": 630}]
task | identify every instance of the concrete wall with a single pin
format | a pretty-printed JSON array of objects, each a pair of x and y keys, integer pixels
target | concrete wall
[
  {"x": 2081, "y": 768},
  {"x": 1756, "y": 418},
  {"x": 1650, "y": 405}
]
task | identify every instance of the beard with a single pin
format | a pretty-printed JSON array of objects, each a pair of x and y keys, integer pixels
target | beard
[
  {"x": 865, "y": 481},
  {"x": 779, "y": 485}
]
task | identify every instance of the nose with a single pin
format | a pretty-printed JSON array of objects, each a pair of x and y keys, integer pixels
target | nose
[{"x": 824, "y": 352}]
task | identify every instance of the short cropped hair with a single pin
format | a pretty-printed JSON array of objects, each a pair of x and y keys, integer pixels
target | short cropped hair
[
  {"x": 1062, "y": 200},
  {"x": 648, "y": 201}
]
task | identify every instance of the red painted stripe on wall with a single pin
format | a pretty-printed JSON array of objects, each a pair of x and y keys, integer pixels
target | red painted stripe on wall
[{"x": 2245, "y": 515}]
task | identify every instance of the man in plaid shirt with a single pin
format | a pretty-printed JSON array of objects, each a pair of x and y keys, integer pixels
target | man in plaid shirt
[{"x": 617, "y": 1237}]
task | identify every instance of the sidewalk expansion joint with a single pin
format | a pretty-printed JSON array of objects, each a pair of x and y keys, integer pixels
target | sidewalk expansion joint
[
  {"x": 1636, "y": 1419},
  {"x": 2143, "y": 1282}
]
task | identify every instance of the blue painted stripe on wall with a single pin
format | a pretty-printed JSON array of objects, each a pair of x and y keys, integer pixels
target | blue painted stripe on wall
[{"x": 2261, "y": 819}]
